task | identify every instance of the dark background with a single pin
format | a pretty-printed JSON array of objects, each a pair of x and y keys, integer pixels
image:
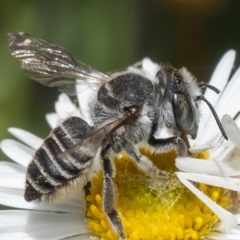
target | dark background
[{"x": 110, "y": 35}]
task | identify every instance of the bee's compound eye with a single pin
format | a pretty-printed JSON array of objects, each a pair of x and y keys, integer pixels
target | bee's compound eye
[{"x": 184, "y": 113}]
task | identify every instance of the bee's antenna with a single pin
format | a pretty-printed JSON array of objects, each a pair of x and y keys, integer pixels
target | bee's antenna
[
  {"x": 206, "y": 85},
  {"x": 215, "y": 115}
]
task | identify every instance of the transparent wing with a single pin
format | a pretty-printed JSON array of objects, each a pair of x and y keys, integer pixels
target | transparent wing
[
  {"x": 52, "y": 65},
  {"x": 89, "y": 145}
]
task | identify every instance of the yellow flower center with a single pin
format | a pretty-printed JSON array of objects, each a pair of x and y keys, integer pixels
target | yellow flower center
[{"x": 153, "y": 207}]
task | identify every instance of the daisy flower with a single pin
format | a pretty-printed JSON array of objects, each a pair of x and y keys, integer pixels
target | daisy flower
[{"x": 150, "y": 208}]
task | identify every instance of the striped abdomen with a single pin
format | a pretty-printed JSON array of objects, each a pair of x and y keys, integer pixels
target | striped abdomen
[{"x": 46, "y": 173}]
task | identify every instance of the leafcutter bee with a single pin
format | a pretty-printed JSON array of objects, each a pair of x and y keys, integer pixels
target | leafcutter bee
[{"x": 159, "y": 108}]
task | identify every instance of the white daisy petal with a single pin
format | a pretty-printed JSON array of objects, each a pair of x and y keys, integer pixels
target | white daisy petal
[
  {"x": 232, "y": 130},
  {"x": 219, "y": 79},
  {"x": 237, "y": 119},
  {"x": 53, "y": 120},
  {"x": 224, "y": 236},
  {"x": 149, "y": 66},
  {"x": 65, "y": 108},
  {"x": 216, "y": 168},
  {"x": 17, "y": 151},
  {"x": 221, "y": 74},
  {"x": 202, "y": 148},
  {"x": 14, "y": 198},
  {"x": 226, "y": 105},
  {"x": 227, "y": 101},
  {"x": 221, "y": 149},
  {"x": 222, "y": 153},
  {"x": 238, "y": 218},
  {"x": 85, "y": 95},
  {"x": 226, "y": 182},
  {"x": 26, "y": 137},
  {"x": 12, "y": 180},
  {"x": 87, "y": 236},
  {"x": 9, "y": 167},
  {"x": 231, "y": 155},
  {"x": 41, "y": 225},
  {"x": 228, "y": 220}
]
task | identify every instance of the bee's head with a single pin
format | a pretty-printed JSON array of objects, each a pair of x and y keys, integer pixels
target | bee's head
[{"x": 179, "y": 88}]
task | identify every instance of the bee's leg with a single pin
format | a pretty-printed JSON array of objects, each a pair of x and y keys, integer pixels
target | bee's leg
[
  {"x": 108, "y": 194},
  {"x": 167, "y": 144},
  {"x": 119, "y": 143}
]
